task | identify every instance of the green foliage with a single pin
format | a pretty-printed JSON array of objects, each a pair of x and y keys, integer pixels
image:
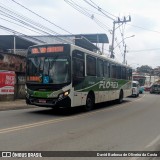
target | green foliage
[{"x": 145, "y": 69}]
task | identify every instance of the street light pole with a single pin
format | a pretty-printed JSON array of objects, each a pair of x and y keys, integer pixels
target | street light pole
[{"x": 125, "y": 51}]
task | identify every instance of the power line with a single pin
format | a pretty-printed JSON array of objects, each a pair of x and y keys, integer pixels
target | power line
[
  {"x": 98, "y": 8},
  {"x": 94, "y": 5},
  {"x": 93, "y": 12},
  {"x": 20, "y": 34},
  {"x": 43, "y": 27},
  {"x": 28, "y": 22},
  {"x": 41, "y": 16},
  {"x": 143, "y": 50},
  {"x": 21, "y": 21},
  {"x": 84, "y": 12},
  {"x": 144, "y": 28},
  {"x": 19, "y": 25},
  {"x": 103, "y": 9},
  {"x": 119, "y": 46},
  {"x": 121, "y": 32}
]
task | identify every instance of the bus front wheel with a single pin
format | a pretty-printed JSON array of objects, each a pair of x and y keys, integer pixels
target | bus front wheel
[{"x": 90, "y": 102}]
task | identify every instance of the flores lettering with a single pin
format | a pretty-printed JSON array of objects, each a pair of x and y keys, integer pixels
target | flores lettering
[{"x": 108, "y": 84}]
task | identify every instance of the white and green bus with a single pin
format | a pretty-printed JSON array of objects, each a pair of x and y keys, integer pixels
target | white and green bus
[{"x": 66, "y": 75}]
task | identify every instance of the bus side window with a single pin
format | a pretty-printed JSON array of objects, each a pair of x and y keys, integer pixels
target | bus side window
[
  {"x": 78, "y": 67},
  {"x": 100, "y": 69},
  {"x": 123, "y": 73},
  {"x": 91, "y": 66},
  {"x": 106, "y": 69},
  {"x": 113, "y": 71},
  {"x": 109, "y": 70},
  {"x": 130, "y": 74},
  {"x": 119, "y": 76}
]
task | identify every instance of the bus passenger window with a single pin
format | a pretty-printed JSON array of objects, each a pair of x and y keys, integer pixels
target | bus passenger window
[
  {"x": 91, "y": 66},
  {"x": 109, "y": 70},
  {"x": 123, "y": 73},
  {"x": 127, "y": 73},
  {"x": 78, "y": 68},
  {"x": 106, "y": 69},
  {"x": 130, "y": 74},
  {"x": 100, "y": 69},
  {"x": 114, "y": 71},
  {"x": 119, "y": 76}
]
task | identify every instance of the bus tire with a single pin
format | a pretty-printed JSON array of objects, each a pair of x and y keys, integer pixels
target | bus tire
[
  {"x": 90, "y": 101},
  {"x": 120, "y": 99}
]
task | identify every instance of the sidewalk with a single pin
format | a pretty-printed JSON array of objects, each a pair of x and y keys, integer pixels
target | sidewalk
[{"x": 12, "y": 105}]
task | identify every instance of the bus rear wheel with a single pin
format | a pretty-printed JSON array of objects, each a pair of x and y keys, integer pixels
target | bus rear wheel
[
  {"x": 120, "y": 99},
  {"x": 89, "y": 102}
]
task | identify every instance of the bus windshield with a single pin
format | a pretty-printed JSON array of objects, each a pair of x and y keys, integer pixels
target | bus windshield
[
  {"x": 46, "y": 70},
  {"x": 134, "y": 85}
]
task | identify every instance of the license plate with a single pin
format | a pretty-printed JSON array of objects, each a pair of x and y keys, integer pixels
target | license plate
[{"x": 42, "y": 101}]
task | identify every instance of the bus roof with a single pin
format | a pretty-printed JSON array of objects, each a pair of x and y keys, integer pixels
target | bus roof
[
  {"x": 86, "y": 51},
  {"x": 101, "y": 56}
]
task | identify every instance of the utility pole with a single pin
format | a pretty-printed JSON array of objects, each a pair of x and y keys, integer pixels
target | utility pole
[
  {"x": 113, "y": 35},
  {"x": 113, "y": 32},
  {"x": 14, "y": 45},
  {"x": 124, "y": 56}
]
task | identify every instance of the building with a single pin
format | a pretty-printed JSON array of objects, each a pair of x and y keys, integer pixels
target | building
[{"x": 13, "y": 51}]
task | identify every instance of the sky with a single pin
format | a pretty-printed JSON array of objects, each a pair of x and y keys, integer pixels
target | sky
[{"x": 142, "y": 49}]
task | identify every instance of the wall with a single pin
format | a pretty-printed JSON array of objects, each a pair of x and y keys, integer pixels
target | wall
[
  {"x": 17, "y": 64},
  {"x": 12, "y": 62}
]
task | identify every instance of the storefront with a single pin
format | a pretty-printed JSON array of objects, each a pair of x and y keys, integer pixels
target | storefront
[
  {"x": 7, "y": 81},
  {"x": 12, "y": 76}
]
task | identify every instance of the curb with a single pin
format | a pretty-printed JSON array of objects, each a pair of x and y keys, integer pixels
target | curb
[{"x": 14, "y": 105}]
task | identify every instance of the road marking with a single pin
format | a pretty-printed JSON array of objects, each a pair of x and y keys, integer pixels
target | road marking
[
  {"x": 22, "y": 127},
  {"x": 152, "y": 143},
  {"x": 134, "y": 158}
]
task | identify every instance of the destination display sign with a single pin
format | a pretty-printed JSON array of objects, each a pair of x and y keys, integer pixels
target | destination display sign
[{"x": 49, "y": 49}]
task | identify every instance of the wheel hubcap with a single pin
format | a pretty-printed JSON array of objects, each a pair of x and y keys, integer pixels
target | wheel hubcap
[{"x": 89, "y": 102}]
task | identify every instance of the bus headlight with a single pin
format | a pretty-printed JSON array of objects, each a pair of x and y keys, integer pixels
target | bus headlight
[
  {"x": 62, "y": 95},
  {"x": 66, "y": 93}
]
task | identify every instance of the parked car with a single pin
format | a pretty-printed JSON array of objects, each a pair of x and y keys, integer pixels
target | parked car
[
  {"x": 147, "y": 88},
  {"x": 135, "y": 88},
  {"x": 141, "y": 89},
  {"x": 155, "y": 88}
]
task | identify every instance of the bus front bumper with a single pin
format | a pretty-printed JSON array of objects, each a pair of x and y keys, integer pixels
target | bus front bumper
[{"x": 42, "y": 102}]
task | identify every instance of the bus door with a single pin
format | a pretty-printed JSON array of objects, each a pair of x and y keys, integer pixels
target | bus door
[{"x": 78, "y": 75}]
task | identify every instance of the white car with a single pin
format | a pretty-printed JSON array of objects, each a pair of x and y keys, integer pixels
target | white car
[{"x": 135, "y": 88}]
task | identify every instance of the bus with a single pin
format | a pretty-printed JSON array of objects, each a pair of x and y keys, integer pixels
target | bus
[
  {"x": 65, "y": 75},
  {"x": 141, "y": 79}
]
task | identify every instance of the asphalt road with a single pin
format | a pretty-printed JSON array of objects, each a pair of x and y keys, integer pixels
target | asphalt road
[{"x": 133, "y": 125}]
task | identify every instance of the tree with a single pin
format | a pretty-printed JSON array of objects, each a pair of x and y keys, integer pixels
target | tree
[{"x": 145, "y": 69}]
